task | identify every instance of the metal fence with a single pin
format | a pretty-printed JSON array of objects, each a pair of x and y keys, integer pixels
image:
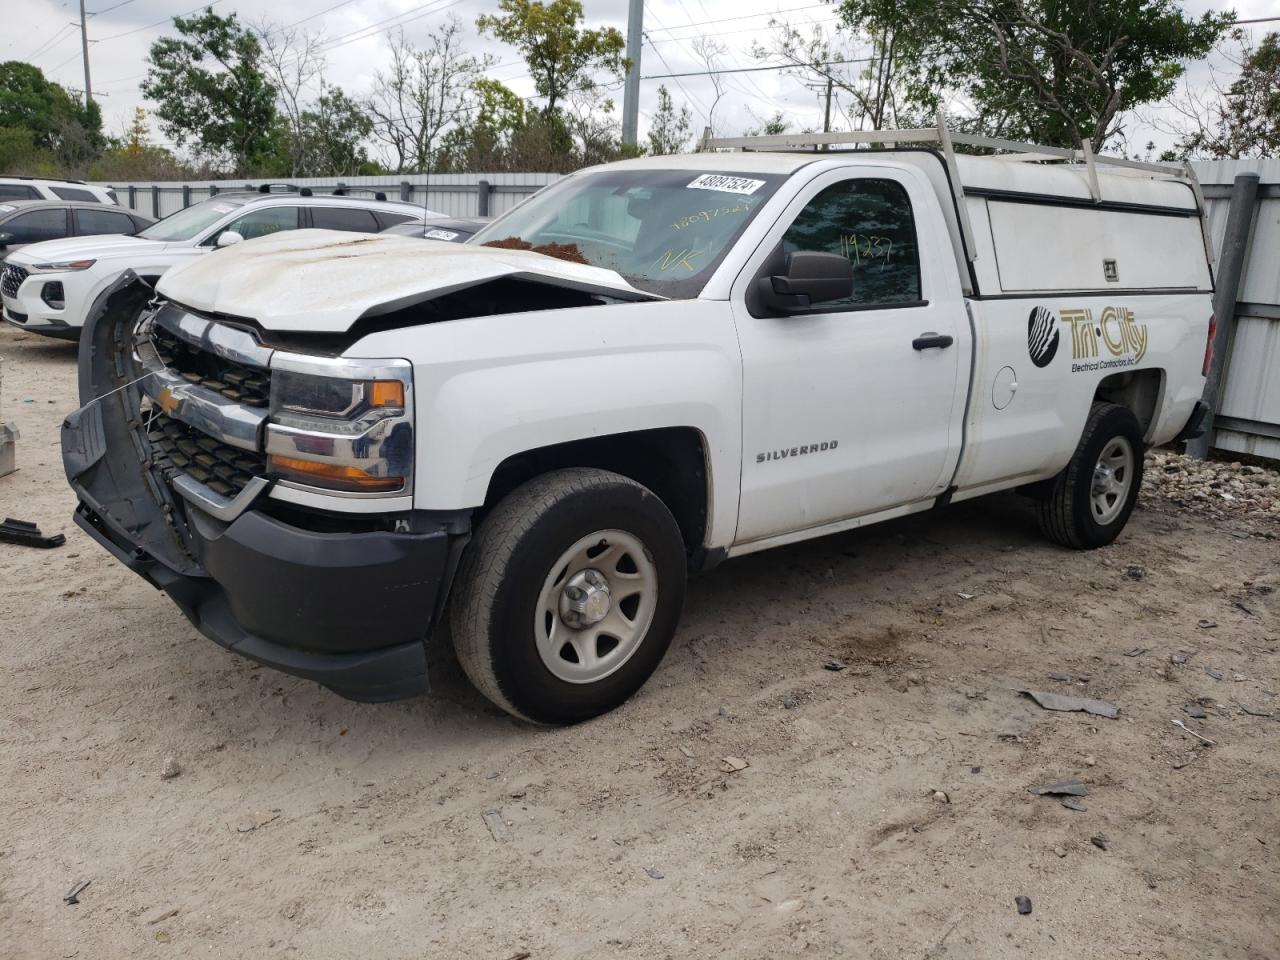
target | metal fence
[
  {"x": 1246, "y": 399},
  {"x": 451, "y": 195}
]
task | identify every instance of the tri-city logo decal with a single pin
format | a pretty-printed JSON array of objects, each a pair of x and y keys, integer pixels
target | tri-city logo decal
[
  {"x": 1101, "y": 340},
  {"x": 1042, "y": 337}
]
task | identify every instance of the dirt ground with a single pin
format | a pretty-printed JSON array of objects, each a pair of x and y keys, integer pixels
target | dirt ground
[{"x": 883, "y": 812}]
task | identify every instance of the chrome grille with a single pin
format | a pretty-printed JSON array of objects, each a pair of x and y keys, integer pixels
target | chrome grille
[
  {"x": 244, "y": 384},
  {"x": 12, "y": 279},
  {"x": 223, "y": 469}
]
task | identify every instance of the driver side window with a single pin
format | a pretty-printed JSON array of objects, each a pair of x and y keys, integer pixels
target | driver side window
[{"x": 870, "y": 222}]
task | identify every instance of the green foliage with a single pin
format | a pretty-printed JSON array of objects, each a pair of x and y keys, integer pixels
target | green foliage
[
  {"x": 333, "y": 133},
  {"x": 212, "y": 92},
  {"x": 562, "y": 57},
  {"x": 1050, "y": 71},
  {"x": 63, "y": 132},
  {"x": 1246, "y": 123},
  {"x": 775, "y": 125},
  {"x": 669, "y": 131}
]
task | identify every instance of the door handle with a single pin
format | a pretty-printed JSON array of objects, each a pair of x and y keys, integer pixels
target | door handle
[{"x": 931, "y": 340}]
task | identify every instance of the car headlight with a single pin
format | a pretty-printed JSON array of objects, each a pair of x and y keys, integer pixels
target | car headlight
[
  {"x": 63, "y": 267},
  {"x": 341, "y": 425}
]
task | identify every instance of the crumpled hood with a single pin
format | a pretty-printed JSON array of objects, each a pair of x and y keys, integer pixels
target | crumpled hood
[
  {"x": 84, "y": 248},
  {"x": 325, "y": 280}
]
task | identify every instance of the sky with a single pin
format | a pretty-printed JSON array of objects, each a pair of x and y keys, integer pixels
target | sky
[{"x": 121, "y": 33}]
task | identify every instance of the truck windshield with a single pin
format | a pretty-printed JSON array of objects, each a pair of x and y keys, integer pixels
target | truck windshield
[
  {"x": 665, "y": 231},
  {"x": 186, "y": 224}
]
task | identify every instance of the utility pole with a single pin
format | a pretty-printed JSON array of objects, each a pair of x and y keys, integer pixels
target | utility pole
[
  {"x": 826, "y": 119},
  {"x": 631, "y": 91},
  {"x": 84, "y": 49}
]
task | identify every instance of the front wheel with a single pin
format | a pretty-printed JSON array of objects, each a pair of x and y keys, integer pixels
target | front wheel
[
  {"x": 1089, "y": 502},
  {"x": 569, "y": 595}
]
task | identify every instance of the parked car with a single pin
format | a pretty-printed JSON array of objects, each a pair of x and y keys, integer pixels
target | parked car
[
  {"x": 333, "y": 449},
  {"x": 35, "y": 221},
  {"x": 449, "y": 229},
  {"x": 82, "y": 269},
  {"x": 38, "y": 188}
]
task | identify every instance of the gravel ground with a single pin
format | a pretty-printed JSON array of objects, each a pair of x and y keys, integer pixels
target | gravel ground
[{"x": 833, "y": 760}]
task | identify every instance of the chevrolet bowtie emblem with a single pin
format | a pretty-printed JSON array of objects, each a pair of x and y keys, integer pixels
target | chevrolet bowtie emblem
[{"x": 168, "y": 402}]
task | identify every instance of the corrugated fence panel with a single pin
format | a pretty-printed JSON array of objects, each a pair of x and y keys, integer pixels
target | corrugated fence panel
[
  {"x": 447, "y": 194},
  {"x": 1248, "y": 420}
]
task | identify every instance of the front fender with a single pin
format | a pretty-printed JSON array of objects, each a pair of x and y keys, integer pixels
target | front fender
[{"x": 492, "y": 387}]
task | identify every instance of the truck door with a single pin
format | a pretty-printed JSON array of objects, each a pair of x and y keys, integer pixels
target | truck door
[{"x": 854, "y": 406}]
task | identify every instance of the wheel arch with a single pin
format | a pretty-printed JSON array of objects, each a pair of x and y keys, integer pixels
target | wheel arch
[
  {"x": 1141, "y": 392},
  {"x": 673, "y": 462}
]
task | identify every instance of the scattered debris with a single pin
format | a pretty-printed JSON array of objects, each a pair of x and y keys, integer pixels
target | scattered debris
[
  {"x": 1150, "y": 879},
  {"x": 686, "y": 751},
  {"x": 259, "y": 820},
  {"x": 1061, "y": 788},
  {"x": 790, "y": 702},
  {"x": 1216, "y": 674},
  {"x": 168, "y": 914},
  {"x": 1135, "y": 571},
  {"x": 1204, "y": 740},
  {"x": 941, "y": 796},
  {"x": 498, "y": 828},
  {"x": 733, "y": 764},
  {"x": 1090, "y": 761},
  {"x": 1059, "y": 851},
  {"x": 1255, "y": 711},
  {"x": 1194, "y": 710},
  {"x": 1178, "y": 658},
  {"x": 170, "y": 769},
  {"x": 72, "y": 896},
  {"x": 966, "y": 596},
  {"x": 834, "y": 665},
  {"x": 1206, "y": 624},
  {"x": 654, "y": 873},
  {"x": 1060, "y": 677},
  {"x": 162, "y": 936},
  {"x": 1053, "y": 701},
  {"x": 1136, "y": 651},
  {"x": 1023, "y": 903},
  {"x": 26, "y": 534},
  {"x": 1071, "y": 803},
  {"x": 1099, "y": 840}
]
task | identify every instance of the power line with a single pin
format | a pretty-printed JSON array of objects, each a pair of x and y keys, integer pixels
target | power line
[
  {"x": 744, "y": 16},
  {"x": 158, "y": 23},
  {"x": 780, "y": 66},
  {"x": 122, "y": 3}
]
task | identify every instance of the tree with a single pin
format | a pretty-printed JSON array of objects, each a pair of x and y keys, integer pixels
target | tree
[
  {"x": 69, "y": 132},
  {"x": 333, "y": 133},
  {"x": 775, "y": 125},
  {"x": 422, "y": 93},
  {"x": 669, "y": 131},
  {"x": 1051, "y": 71},
  {"x": 294, "y": 62},
  {"x": 212, "y": 91},
  {"x": 709, "y": 51},
  {"x": 562, "y": 57},
  {"x": 1242, "y": 120}
]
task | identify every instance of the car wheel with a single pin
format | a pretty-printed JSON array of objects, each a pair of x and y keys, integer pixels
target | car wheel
[
  {"x": 1089, "y": 502},
  {"x": 568, "y": 596}
]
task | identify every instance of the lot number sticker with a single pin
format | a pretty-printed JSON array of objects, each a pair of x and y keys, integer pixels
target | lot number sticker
[{"x": 725, "y": 183}]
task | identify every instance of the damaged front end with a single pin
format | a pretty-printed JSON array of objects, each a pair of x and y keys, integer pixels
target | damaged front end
[{"x": 194, "y": 472}]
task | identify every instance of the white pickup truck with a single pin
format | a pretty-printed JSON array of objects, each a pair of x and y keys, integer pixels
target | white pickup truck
[{"x": 328, "y": 449}]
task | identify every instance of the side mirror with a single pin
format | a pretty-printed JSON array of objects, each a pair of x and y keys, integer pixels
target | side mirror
[
  {"x": 810, "y": 277},
  {"x": 5, "y": 240},
  {"x": 228, "y": 238}
]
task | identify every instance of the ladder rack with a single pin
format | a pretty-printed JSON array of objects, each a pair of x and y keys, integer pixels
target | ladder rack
[{"x": 945, "y": 138}]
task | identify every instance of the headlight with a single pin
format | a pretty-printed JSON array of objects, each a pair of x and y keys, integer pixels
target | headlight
[
  {"x": 62, "y": 267},
  {"x": 342, "y": 425}
]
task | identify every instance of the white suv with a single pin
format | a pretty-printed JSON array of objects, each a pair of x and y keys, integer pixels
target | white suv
[
  {"x": 34, "y": 188},
  {"x": 50, "y": 287}
]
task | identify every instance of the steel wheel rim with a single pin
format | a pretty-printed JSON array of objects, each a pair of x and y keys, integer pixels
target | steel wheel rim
[
  {"x": 1112, "y": 480},
  {"x": 585, "y": 646}
]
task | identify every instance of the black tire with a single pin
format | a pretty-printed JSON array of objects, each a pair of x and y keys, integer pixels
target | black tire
[
  {"x": 1066, "y": 512},
  {"x": 503, "y": 574}
]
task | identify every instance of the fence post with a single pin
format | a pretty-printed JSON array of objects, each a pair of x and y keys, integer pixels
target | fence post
[
  {"x": 483, "y": 190},
  {"x": 1231, "y": 260},
  {"x": 213, "y": 189},
  {"x": 406, "y": 191},
  {"x": 186, "y": 195},
  {"x": 155, "y": 201},
  {"x": 133, "y": 197}
]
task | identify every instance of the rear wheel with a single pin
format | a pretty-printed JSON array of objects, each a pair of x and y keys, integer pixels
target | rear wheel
[
  {"x": 569, "y": 595},
  {"x": 1089, "y": 502}
]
